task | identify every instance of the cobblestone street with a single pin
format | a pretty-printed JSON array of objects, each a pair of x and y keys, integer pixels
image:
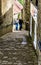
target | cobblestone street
[
  {"x": 20, "y": 32},
  {"x": 15, "y": 49}
]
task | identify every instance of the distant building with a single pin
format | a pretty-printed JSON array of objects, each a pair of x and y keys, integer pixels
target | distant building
[{"x": 17, "y": 8}]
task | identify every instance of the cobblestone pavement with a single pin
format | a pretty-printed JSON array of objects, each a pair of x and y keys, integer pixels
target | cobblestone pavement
[{"x": 15, "y": 50}]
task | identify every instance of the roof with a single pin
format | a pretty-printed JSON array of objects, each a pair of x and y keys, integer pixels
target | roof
[{"x": 17, "y": 7}]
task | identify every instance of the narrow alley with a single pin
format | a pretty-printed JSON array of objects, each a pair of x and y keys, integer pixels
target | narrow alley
[{"x": 20, "y": 32}]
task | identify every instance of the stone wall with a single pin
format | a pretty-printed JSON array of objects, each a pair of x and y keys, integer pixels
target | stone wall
[
  {"x": 0, "y": 7},
  {"x": 39, "y": 27},
  {"x": 6, "y": 26},
  {"x": 39, "y": 20},
  {"x": 34, "y": 2},
  {"x": 26, "y": 10},
  {"x": 6, "y": 16},
  {"x": 7, "y": 11},
  {"x": 0, "y": 14},
  {"x": 6, "y": 5}
]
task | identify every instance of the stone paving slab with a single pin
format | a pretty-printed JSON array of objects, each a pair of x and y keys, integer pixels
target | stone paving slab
[{"x": 13, "y": 52}]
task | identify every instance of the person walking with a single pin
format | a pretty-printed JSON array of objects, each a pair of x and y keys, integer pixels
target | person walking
[
  {"x": 20, "y": 23},
  {"x": 17, "y": 21}
]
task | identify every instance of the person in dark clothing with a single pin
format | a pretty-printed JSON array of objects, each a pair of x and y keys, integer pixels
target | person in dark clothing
[
  {"x": 20, "y": 23},
  {"x": 17, "y": 21}
]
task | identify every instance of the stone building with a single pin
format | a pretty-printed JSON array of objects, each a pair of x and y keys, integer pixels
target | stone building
[
  {"x": 6, "y": 15},
  {"x": 39, "y": 30},
  {"x": 26, "y": 14},
  {"x": 35, "y": 26},
  {"x": 33, "y": 20},
  {"x": 26, "y": 10}
]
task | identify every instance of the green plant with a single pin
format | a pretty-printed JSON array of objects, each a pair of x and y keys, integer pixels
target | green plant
[{"x": 21, "y": 1}]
